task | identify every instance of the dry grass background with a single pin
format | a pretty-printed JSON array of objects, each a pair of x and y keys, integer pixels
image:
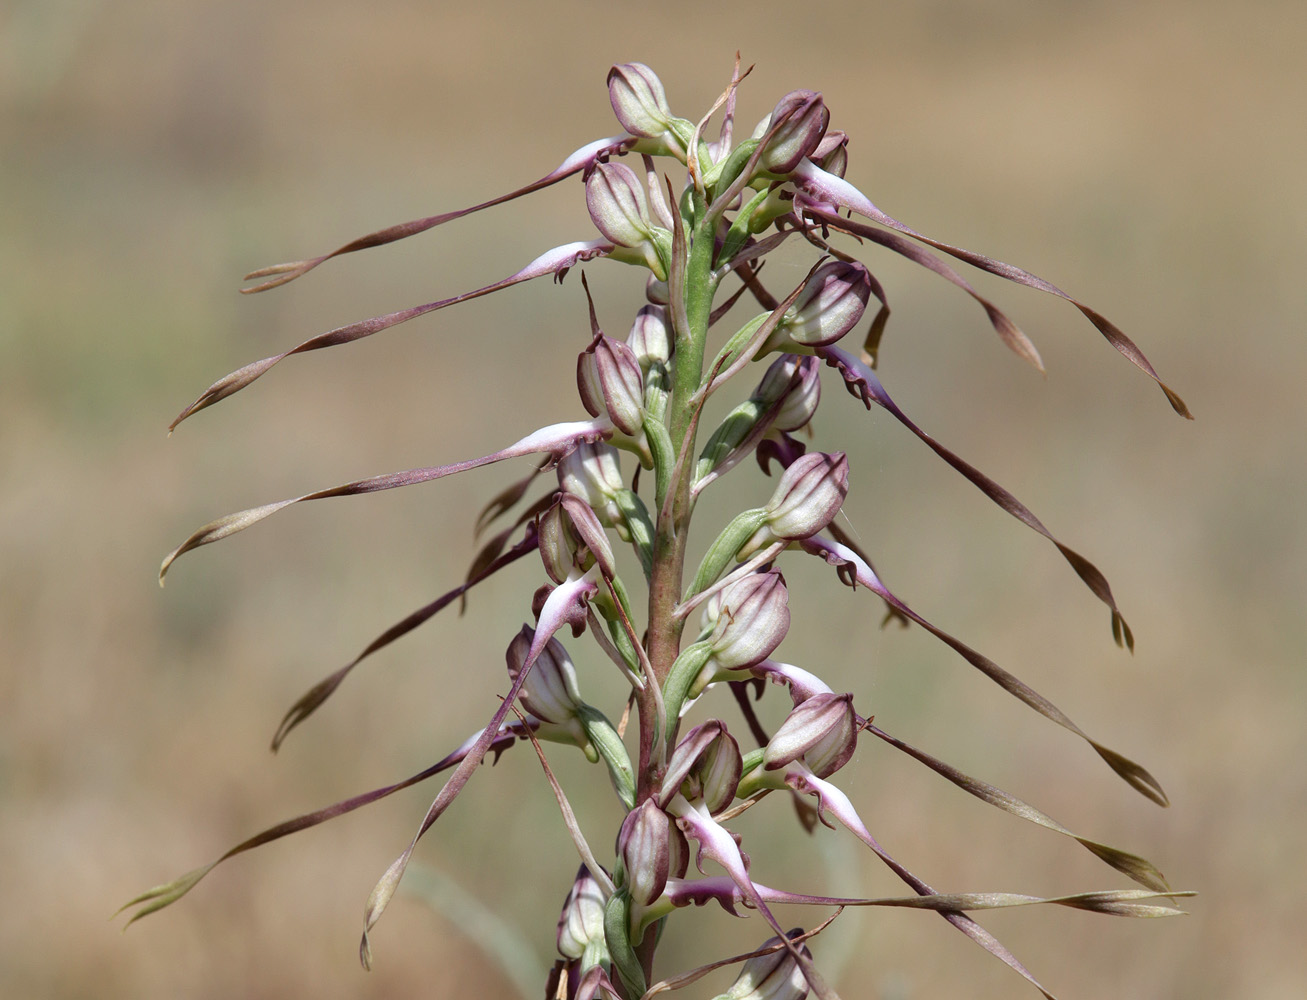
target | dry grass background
[{"x": 1147, "y": 156}]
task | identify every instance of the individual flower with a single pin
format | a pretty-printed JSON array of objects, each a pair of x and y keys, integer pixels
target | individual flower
[
  {"x": 807, "y": 498},
  {"x": 619, "y": 208},
  {"x": 639, "y": 101},
  {"x": 644, "y": 844},
  {"x": 550, "y": 691},
  {"x": 609, "y": 380},
  {"x": 830, "y": 305},
  {"x": 775, "y": 976},
  {"x": 753, "y": 619},
  {"x": 592, "y": 473},
  {"x": 797, "y": 125},
  {"x": 821, "y": 731},
  {"x": 650, "y": 340}
]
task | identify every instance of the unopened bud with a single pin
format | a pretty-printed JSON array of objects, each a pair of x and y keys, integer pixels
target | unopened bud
[
  {"x": 549, "y": 691},
  {"x": 829, "y": 306},
  {"x": 753, "y": 620},
  {"x": 803, "y": 118},
  {"x": 645, "y": 845},
  {"x": 571, "y": 536},
  {"x": 808, "y": 496},
  {"x": 776, "y": 976},
  {"x": 592, "y": 473},
  {"x": 706, "y": 767},
  {"x": 638, "y": 100},
  {"x": 719, "y": 771},
  {"x": 821, "y": 731},
  {"x": 619, "y": 207},
  {"x": 581, "y": 923},
  {"x": 800, "y": 398},
  {"x": 831, "y": 153},
  {"x": 650, "y": 339},
  {"x": 610, "y": 382}
]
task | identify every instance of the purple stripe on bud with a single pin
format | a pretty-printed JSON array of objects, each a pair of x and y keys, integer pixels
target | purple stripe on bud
[
  {"x": 705, "y": 767},
  {"x": 618, "y": 205},
  {"x": 592, "y": 473},
  {"x": 830, "y": 305},
  {"x": 650, "y": 340},
  {"x": 799, "y": 119},
  {"x": 638, "y": 100},
  {"x": 775, "y": 976},
  {"x": 821, "y": 732},
  {"x": 581, "y": 923},
  {"x": 809, "y": 495},
  {"x": 549, "y": 692},
  {"x": 753, "y": 620},
  {"x": 610, "y": 382},
  {"x": 645, "y": 846},
  {"x": 796, "y": 381}
]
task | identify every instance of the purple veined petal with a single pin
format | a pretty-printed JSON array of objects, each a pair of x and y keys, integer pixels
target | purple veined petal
[
  {"x": 845, "y": 560},
  {"x": 582, "y": 159},
  {"x": 862, "y": 382},
  {"x": 836, "y": 803},
  {"x": 165, "y": 895},
  {"x": 554, "y": 440},
  {"x": 802, "y": 685},
  {"x": 560, "y": 608},
  {"x": 836, "y": 190},
  {"x": 556, "y": 262}
]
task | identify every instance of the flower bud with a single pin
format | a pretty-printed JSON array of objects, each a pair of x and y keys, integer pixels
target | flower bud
[
  {"x": 570, "y": 535},
  {"x": 829, "y": 306},
  {"x": 706, "y": 767},
  {"x": 610, "y": 382},
  {"x": 801, "y": 399},
  {"x": 754, "y": 618},
  {"x": 718, "y": 772},
  {"x": 821, "y": 731},
  {"x": 549, "y": 692},
  {"x": 775, "y": 976},
  {"x": 581, "y": 924},
  {"x": 809, "y": 495},
  {"x": 802, "y": 118},
  {"x": 645, "y": 846},
  {"x": 638, "y": 100},
  {"x": 831, "y": 153},
  {"x": 655, "y": 290},
  {"x": 592, "y": 473},
  {"x": 618, "y": 204},
  {"x": 650, "y": 340}
]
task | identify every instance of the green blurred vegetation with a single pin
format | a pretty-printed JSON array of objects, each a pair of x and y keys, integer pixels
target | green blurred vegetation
[{"x": 1147, "y": 157}]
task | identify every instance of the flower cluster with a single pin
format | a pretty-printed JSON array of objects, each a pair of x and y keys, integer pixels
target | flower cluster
[{"x": 681, "y": 784}]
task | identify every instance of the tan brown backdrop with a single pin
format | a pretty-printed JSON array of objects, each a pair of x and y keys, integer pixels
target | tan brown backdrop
[{"x": 1146, "y": 156}]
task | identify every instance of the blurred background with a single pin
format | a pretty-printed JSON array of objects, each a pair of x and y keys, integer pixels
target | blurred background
[{"x": 1146, "y": 156}]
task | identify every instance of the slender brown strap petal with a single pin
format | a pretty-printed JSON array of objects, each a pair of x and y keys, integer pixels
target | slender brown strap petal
[
  {"x": 862, "y": 382},
  {"x": 1139, "y": 869},
  {"x": 848, "y": 563},
  {"x": 554, "y": 262},
  {"x": 832, "y": 190},
  {"x": 583, "y": 158}
]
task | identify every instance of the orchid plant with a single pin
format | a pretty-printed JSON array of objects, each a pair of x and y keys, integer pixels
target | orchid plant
[{"x": 697, "y": 217}]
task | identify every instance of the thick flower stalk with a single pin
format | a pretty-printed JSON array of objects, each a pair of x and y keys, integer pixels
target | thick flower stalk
[{"x": 695, "y": 217}]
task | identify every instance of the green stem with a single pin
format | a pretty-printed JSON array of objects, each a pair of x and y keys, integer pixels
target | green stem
[{"x": 671, "y": 532}]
